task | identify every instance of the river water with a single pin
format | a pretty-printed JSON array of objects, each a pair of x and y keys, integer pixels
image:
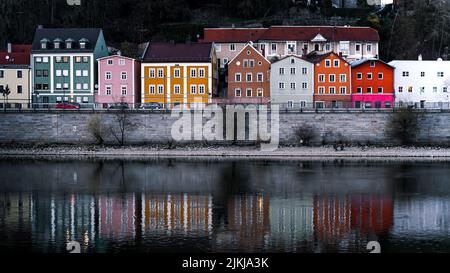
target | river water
[{"x": 182, "y": 205}]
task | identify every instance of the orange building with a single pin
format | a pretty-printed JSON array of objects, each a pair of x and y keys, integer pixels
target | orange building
[
  {"x": 332, "y": 81},
  {"x": 248, "y": 77},
  {"x": 179, "y": 74}
]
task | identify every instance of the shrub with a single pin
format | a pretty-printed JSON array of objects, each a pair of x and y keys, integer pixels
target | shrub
[
  {"x": 95, "y": 128},
  {"x": 403, "y": 126},
  {"x": 305, "y": 134}
]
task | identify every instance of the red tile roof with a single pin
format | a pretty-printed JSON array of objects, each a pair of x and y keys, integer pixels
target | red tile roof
[
  {"x": 331, "y": 33},
  {"x": 290, "y": 33},
  {"x": 232, "y": 35},
  {"x": 170, "y": 52},
  {"x": 315, "y": 58},
  {"x": 20, "y": 55}
]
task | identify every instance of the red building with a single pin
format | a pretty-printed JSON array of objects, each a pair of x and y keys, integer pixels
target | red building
[{"x": 372, "y": 84}]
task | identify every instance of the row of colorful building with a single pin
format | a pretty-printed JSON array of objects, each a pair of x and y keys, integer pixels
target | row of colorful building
[{"x": 294, "y": 66}]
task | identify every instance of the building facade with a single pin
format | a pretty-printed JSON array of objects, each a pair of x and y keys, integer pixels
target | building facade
[
  {"x": 332, "y": 81},
  {"x": 15, "y": 76},
  {"x": 422, "y": 84},
  {"x": 64, "y": 65},
  {"x": 179, "y": 74},
  {"x": 292, "y": 82},
  {"x": 353, "y": 43},
  {"x": 118, "y": 81},
  {"x": 249, "y": 77},
  {"x": 372, "y": 84}
]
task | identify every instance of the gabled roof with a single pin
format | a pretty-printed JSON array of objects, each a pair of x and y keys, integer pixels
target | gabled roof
[
  {"x": 330, "y": 33},
  {"x": 76, "y": 34},
  {"x": 179, "y": 53},
  {"x": 363, "y": 61},
  {"x": 20, "y": 56},
  {"x": 232, "y": 35},
  {"x": 245, "y": 48},
  {"x": 315, "y": 58},
  {"x": 291, "y": 56},
  {"x": 116, "y": 56}
]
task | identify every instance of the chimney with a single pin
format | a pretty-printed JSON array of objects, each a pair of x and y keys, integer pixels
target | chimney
[
  {"x": 420, "y": 57},
  {"x": 9, "y": 48}
]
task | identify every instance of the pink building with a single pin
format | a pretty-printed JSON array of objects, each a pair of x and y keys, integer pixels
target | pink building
[{"x": 118, "y": 81}]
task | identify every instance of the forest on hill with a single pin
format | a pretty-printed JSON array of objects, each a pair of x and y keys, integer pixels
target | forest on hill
[{"x": 413, "y": 27}]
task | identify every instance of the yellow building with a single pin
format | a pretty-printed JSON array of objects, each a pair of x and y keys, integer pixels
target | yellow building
[{"x": 179, "y": 74}]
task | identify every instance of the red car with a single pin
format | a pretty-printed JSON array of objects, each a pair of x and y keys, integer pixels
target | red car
[{"x": 67, "y": 106}]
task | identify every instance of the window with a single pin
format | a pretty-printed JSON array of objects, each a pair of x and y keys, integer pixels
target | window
[
  {"x": 152, "y": 73},
  {"x": 422, "y": 74},
  {"x": 66, "y": 73},
  {"x": 292, "y": 70},
  {"x": 121, "y": 62},
  {"x": 405, "y": 74},
  {"x": 327, "y": 63},
  {"x": 85, "y": 73},
  {"x": 410, "y": 89},
  {"x": 259, "y": 92},
  {"x": 251, "y": 63},
  {"x": 85, "y": 86},
  {"x": 193, "y": 89},
  {"x": 260, "y": 77},
  {"x": 218, "y": 48},
  {"x": 160, "y": 73},
  {"x": 293, "y": 85},
  {"x": 78, "y": 86},
  {"x": 123, "y": 75},
  {"x": 58, "y": 73},
  {"x": 38, "y": 73},
  {"x": 422, "y": 89},
  {"x": 343, "y": 78},
  {"x": 281, "y": 85},
  {"x": 249, "y": 77},
  {"x": 400, "y": 89},
  {"x": 43, "y": 45},
  {"x": 369, "y": 90},
  {"x": 336, "y": 63},
  {"x": 332, "y": 78},
  {"x": 237, "y": 92},
  {"x": 343, "y": 90},
  {"x": 85, "y": 59},
  {"x": 45, "y": 73},
  {"x": 19, "y": 89},
  {"x": 201, "y": 89},
  {"x": 123, "y": 90},
  {"x": 369, "y": 50},
  {"x": 108, "y": 90},
  {"x": 369, "y": 76},
  {"x": 110, "y": 62},
  {"x": 304, "y": 71},
  {"x": 372, "y": 63},
  {"x": 201, "y": 73},
  {"x": 304, "y": 85},
  {"x": 321, "y": 78},
  {"x": 281, "y": 70},
  {"x": 359, "y": 76},
  {"x": 248, "y": 92},
  {"x": 108, "y": 75},
  {"x": 290, "y": 104},
  {"x": 176, "y": 89},
  {"x": 38, "y": 59},
  {"x": 193, "y": 72},
  {"x": 78, "y": 60},
  {"x": 232, "y": 47},
  {"x": 152, "y": 89},
  {"x": 387, "y": 104},
  {"x": 160, "y": 89},
  {"x": 45, "y": 59},
  {"x": 331, "y": 90},
  {"x": 176, "y": 73},
  {"x": 292, "y": 61},
  {"x": 321, "y": 90},
  {"x": 77, "y": 73},
  {"x": 440, "y": 74},
  {"x": 380, "y": 76},
  {"x": 444, "y": 89},
  {"x": 302, "y": 104},
  {"x": 273, "y": 47},
  {"x": 380, "y": 90},
  {"x": 358, "y": 90},
  {"x": 328, "y": 47},
  {"x": 358, "y": 48},
  {"x": 435, "y": 89},
  {"x": 237, "y": 77}
]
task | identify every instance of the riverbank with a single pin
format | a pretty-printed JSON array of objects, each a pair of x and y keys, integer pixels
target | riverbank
[{"x": 248, "y": 152}]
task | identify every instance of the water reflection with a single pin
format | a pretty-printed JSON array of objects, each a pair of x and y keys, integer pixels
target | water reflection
[{"x": 220, "y": 206}]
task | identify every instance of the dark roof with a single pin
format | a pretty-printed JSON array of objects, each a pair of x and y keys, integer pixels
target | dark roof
[
  {"x": 363, "y": 61},
  {"x": 172, "y": 52},
  {"x": 315, "y": 58},
  {"x": 91, "y": 34},
  {"x": 230, "y": 35},
  {"x": 20, "y": 56},
  {"x": 291, "y": 33},
  {"x": 290, "y": 56}
]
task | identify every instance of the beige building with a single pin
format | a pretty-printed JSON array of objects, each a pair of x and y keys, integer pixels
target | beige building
[{"x": 15, "y": 75}]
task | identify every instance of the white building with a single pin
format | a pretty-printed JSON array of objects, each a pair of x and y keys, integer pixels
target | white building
[{"x": 422, "y": 84}]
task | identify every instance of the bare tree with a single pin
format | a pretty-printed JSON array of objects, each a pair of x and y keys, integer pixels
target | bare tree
[{"x": 122, "y": 127}]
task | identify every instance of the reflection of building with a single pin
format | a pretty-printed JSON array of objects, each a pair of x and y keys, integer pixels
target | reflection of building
[{"x": 336, "y": 218}]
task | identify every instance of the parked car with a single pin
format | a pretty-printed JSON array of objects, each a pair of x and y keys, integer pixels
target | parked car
[
  {"x": 152, "y": 106},
  {"x": 67, "y": 105},
  {"x": 120, "y": 106}
]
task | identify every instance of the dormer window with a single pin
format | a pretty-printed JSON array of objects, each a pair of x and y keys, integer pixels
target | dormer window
[
  {"x": 83, "y": 43},
  {"x": 69, "y": 43},
  {"x": 44, "y": 43},
  {"x": 57, "y": 43}
]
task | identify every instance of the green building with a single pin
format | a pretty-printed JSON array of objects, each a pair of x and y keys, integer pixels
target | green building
[{"x": 64, "y": 65}]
